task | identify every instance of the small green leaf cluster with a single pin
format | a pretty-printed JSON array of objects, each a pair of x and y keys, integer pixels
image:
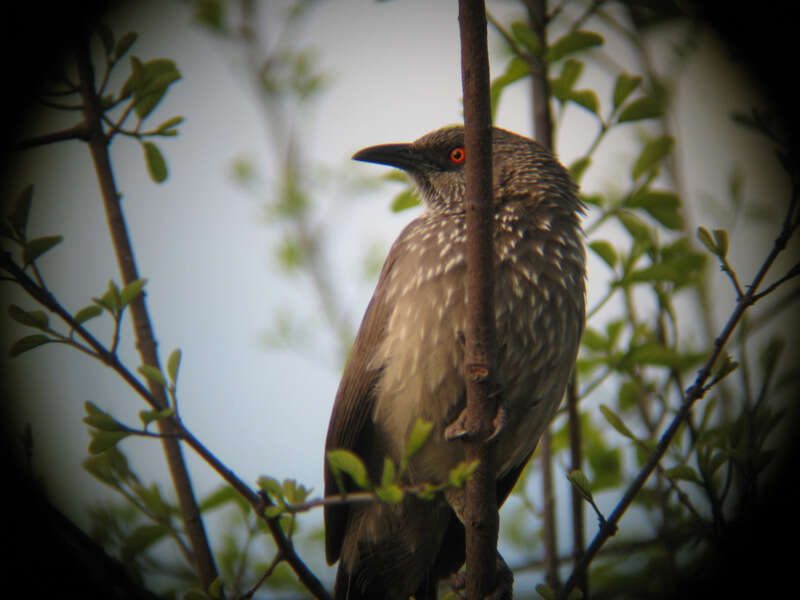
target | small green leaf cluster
[
  {"x": 106, "y": 432},
  {"x": 114, "y": 300},
  {"x": 140, "y": 94},
  {"x": 13, "y": 227},
  {"x": 146, "y": 518},
  {"x": 283, "y": 495},
  {"x": 391, "y": 486}
]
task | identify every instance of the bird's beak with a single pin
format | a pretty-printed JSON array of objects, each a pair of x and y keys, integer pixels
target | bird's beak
[{"x": 395, "y": 155}]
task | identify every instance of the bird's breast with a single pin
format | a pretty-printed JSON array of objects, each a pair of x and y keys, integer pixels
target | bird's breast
[{"x": 421, "y": 355}]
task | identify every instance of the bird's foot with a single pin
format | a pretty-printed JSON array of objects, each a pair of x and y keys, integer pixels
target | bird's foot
[
  {"x": 504, "y": 582},
  {"x": 458, "y": 430}
]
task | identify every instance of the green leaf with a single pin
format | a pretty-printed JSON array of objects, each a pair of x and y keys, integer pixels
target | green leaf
[
  {"x": 614, "y": 420},
  {"x": 683, "y": 472},
  {"x": 18, "y": 219},
  {"x": 653, "y": 153},
  {"x": 577, "y": 168},
  {"x": 605, "y": 463},
  {"x": 391, "y": 493},
  {"x": 33, "y": 318},
  {"x": 659, "y": 355},
  {"x": 571, "y": 43},
  {"x": 515, "y": 70},
  {"x": 271, "y": 486},
  {"x": 585, "y": 98},
  {"x": 345, "y": 461},
  {"x": 721, "y": 240},
  {"x": 594, "y": 340},
  {"x": 135, "y": 79},
  {"x": 295, "y": 492},
  {"x": 663, "y": 206},
  {"x": 593, "y": 199},
  {"x": 155, "y": 92},
  {"x": 705, "y": 238},
  {"x": 657, "y": 272},
  {"x": 640, "y": 109},
  {"x": 87, "y": 312},
  {"x": 149, "y": 82},
  {"x": 388, "y": 474},
  {"x": 148, "y": 416},
  {"x": 103, "y": 440},
  {"x": 152, "y": 499},
  {"x": 636, "y": 227},
  {"x": 28, "y": 343},
  {"x": 110, "y": 300},
  {"x": 562, "y": 85},
  {"x": 459, "y": 474},
  {"x": 545, "y": 591},
  {"x": 36, "y": 247},
  {"x": 100, "y": 468},
  {"x": 623, "y": 88},
  {"x": 613, "y": 329},
  {"x": 124, "y": 44},
  {"x": 211, "y": 14},
  {"x": 156, "y": 165},
  {"x": 140, "y": 540},
  {"x": 168, "y": 125},
  {"x": 272, "y": 512},
  {"x": 406, "y": 199},
  {"x": 215, "y": 589},
  {"x": 131, "y": 291},
  {"x": 99, "y": 419},
  {"x": 570, "y": 73},
  {"x": 526, "y": 37},
  {"x": 173, "y": 364},
  {"x": 152, "y": 373},
  {"x": 420, "y": 433},
  {"x": 581, "y": 483},
  {"x": 606, "y": 251}
]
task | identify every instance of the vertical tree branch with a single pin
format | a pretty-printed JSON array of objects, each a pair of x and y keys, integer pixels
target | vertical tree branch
[
  {"x": 145, "y": 340},
  {"x": 576, "y": 462},
  {"x": 480, "y": 511},
  {"x": 543, "y": 133}
]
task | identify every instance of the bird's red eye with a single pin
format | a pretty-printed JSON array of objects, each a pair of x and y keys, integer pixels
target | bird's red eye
[{"x": 457, "y": 155}]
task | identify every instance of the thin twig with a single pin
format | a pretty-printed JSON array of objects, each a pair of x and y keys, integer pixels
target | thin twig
[
  {"x": 76, "y": 132},
  {"x": 278, "y": 559}
]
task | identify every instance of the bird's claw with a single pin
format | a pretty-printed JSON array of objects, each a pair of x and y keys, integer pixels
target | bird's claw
[
  {"x": 504, "y": 582},
  {"x": 458, "y": 428}
]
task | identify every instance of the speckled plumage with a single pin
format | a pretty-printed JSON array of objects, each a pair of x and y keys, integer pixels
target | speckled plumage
[{"x": 408, "y": 358}]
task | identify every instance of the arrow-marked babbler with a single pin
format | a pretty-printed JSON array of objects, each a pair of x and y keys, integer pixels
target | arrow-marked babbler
[{"x": 408, "y": 358}]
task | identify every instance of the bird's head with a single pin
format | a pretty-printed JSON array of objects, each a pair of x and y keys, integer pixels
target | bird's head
[{"x": 435, "y": 162}]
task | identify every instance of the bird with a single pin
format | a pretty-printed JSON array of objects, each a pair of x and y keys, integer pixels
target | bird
[{"x": 407, "y": 360}]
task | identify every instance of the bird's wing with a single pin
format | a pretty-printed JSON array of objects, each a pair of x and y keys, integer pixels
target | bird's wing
[
  {"x": 506, "y": 483},
  {"x": 349, "y": 425}
]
